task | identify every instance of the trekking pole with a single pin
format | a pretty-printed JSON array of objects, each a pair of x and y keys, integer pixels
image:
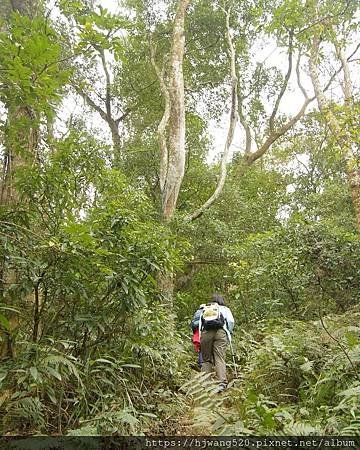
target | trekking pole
[{"x": 233, "y": 357}]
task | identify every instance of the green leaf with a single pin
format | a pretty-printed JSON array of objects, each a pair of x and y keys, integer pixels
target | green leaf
[
  {"x": 3, "y": 376},
  {"x": 4, "y": 322},
  {"x": 34, "y": 373},
  {"x": 104, "y": 361},
  {"x": 54, "y": 373},
  {"x": 153, "y": 416}
]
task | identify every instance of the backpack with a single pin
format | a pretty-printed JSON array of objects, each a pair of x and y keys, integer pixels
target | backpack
[
  {"x": 211, "y": 318},
  {"x": 196, "y": 319}
]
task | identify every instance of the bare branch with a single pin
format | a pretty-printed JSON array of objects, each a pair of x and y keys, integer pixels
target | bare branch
[
  {"x": 252, "y": 157},
  {"x": 332, "y": 78},
  {"x": 354, "y": 52},
  {"x": 123, "y": 116},
  {"x": 245, "y": 124},
  {"x": 164, "y": 154},
  {"x": 91, "y": 103},
  {"x": 303, "y": 90},
  {"x": 285, "y": 83},
  {"x": 108, "y": 82},
  {"x": 112, "y": 123},
  {"x": 348, "y": 59},
  {"x": 232, "y": 124}
]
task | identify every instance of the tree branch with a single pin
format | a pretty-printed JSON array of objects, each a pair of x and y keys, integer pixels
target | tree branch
[
  {"x": 108, "y": 82},
  {"x": 347, "y": 86},
  {"x": 91, "y": 103},
  {"x": 231, "y": 130},
  {"x": 348, "y": 59},
  {"x": 123, "y": 116},
  {"x": 301, "y": 87},
  {"x": 285, "y": 83},
  {"x": 252, "y": 157},
  {"x": 161, "y": 130},
  {"x": 112, "y": 123},
  {"x": 245, "y": 124}
]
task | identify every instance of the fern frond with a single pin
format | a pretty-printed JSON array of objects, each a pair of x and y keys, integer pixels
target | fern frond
[{"x": 27, "y": 409}]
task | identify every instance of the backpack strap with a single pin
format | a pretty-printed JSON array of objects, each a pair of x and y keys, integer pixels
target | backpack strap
[{"x": 225, "y": 327}]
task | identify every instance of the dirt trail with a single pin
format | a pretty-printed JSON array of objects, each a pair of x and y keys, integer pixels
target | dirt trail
[{"x": 208, "y": 412}]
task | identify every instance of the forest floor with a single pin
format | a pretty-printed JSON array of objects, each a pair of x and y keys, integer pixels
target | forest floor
[{"x": 206, "y": 411}]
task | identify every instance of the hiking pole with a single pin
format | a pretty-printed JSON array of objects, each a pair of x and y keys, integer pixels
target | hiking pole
[{"x": 233, "y": 357}]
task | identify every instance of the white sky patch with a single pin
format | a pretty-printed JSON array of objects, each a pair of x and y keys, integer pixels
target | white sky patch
[{"x": 111, "y": 5}]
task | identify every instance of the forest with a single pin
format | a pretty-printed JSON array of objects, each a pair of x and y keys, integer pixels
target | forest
[{"x": 157, "y": 152}]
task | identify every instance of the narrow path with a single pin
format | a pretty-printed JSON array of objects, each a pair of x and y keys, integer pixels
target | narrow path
[{"x": 208, "y": 412}]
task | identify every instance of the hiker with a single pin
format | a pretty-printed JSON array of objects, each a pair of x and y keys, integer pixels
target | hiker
[
  {"x": 196, "y": 332},
  {"x": 216, "y": 326}
]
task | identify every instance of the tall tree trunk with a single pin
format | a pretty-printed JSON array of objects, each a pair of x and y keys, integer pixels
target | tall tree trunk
[
  {"x": 171, "y": 131},
  {"x": 176, "y": 152},
  {"x": 21, "y": 140}
]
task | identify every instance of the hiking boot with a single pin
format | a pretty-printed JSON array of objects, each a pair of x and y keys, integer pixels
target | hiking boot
[{"x": 220, "y": 388}]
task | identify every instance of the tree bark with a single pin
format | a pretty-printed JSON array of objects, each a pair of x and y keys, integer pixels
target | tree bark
[
  {"x": 171, "y": 132},
  {"x": 25, "y": 7},
  {"x": 21, "y": 140},
  {"x": 176, "y": 150}
]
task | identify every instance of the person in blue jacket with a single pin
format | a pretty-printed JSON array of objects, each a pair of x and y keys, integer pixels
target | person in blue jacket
[{"x": 216, "y": 325}]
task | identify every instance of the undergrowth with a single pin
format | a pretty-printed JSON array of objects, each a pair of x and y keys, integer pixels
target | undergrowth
[{"x": 295, "y": 378}]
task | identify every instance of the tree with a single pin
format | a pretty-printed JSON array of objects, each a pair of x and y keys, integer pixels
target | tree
[
  {"x": 337, "y": 29},
  {"x": 270, "y": 134},
  {"x": 27, "y": 138},
  {"x": 21, "y": 141},
  {"x": 172, "y": 154},
  {"x": 31, "y": 83},
  {"x": 94, "y": 43}
]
